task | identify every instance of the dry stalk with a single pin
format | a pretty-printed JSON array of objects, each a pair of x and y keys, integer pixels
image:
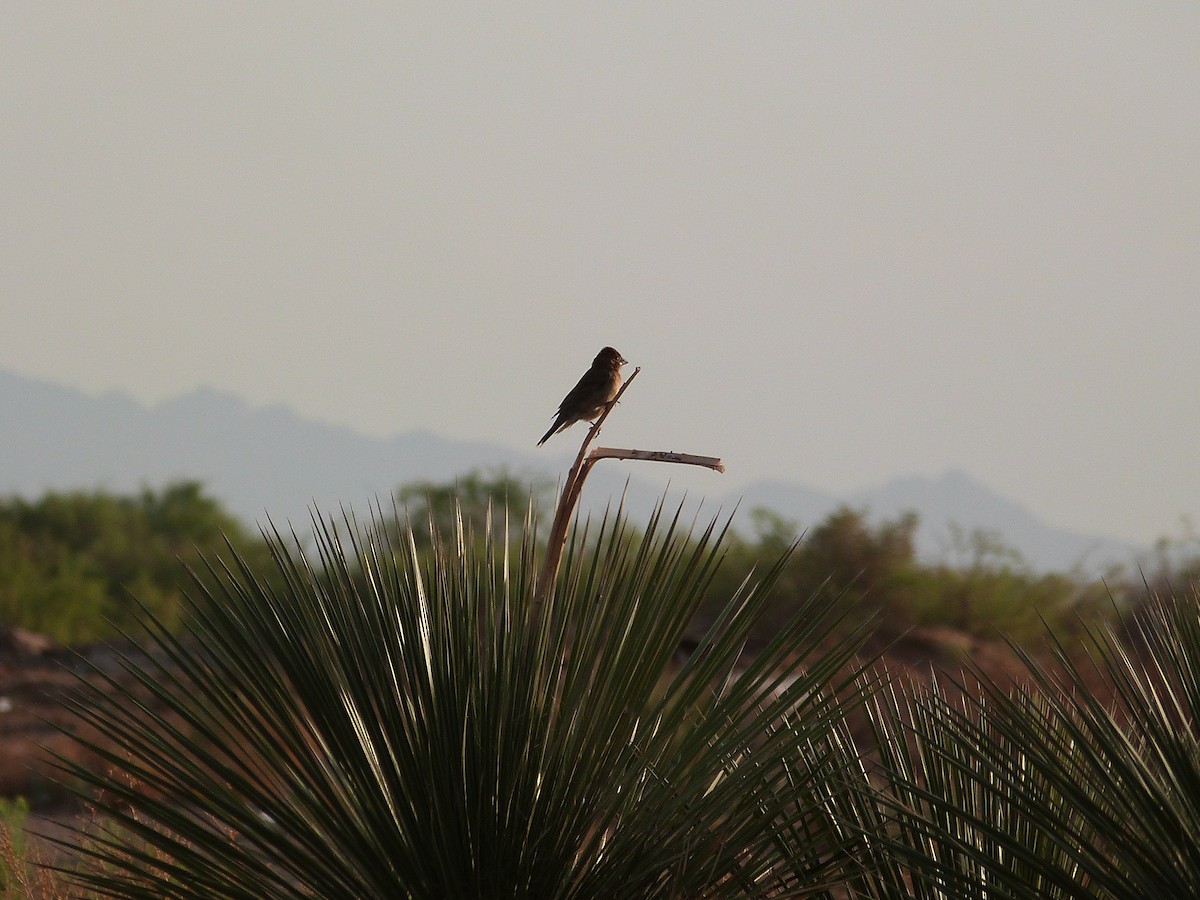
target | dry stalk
[{"x": 571, "y": 490}]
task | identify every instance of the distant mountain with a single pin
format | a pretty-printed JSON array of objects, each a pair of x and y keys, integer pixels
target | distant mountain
[
  {"x": 271, "y": 461},
  {"x": 256, "y": 461}
]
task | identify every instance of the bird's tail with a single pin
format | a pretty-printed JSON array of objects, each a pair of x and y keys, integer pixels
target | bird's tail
[{"x": 557, "y": 426}]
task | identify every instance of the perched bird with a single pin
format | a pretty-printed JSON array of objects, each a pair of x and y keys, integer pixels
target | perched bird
[{"x": 595, "y": 391}]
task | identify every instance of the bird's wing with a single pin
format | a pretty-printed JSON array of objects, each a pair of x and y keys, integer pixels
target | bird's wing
[{"x": 587, "y": 385}]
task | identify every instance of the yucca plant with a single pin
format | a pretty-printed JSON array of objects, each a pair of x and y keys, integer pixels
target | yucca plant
[
  {"x": 1083, "y": 783},
  {"x": 404, "y": 722}
]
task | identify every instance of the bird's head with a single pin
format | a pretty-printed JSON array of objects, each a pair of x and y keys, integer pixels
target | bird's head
[{"x": 609, "y": 357}]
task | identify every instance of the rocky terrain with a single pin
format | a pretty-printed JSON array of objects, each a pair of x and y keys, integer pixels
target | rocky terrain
[{"x": 34, "y": 673}]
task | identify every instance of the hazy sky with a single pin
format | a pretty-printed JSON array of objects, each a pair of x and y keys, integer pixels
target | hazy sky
[{"x": 844, "y": 241}]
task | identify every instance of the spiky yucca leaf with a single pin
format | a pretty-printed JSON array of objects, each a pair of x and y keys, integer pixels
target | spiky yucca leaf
[
  {"x": 1085, "y": 783},
  {"x": 405, "y": 723}
]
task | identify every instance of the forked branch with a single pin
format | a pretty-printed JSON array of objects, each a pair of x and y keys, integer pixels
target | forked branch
[{"x": 569, "y": 497}]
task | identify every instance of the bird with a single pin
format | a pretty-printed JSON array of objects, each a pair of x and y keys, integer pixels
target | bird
[{"x": 595, "y": 390}]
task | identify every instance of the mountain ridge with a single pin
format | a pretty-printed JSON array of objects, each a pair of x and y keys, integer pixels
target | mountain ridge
[{"x": 271, "y": 462}]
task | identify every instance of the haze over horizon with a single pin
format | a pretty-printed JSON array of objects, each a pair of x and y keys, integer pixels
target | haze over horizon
[{"x": 845, "y": 243}]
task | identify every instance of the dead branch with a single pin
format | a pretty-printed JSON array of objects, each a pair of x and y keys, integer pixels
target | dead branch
[{"x": 569, "y": 497}]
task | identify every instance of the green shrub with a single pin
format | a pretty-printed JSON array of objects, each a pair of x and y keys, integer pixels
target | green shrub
[{"x": 71, "y": 563}]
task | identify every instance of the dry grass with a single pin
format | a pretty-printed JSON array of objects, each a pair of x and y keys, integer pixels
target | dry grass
[{"x": 23, "y": 871}]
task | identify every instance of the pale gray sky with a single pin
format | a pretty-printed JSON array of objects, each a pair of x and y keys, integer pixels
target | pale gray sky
[{"x": 844, "y": 241}]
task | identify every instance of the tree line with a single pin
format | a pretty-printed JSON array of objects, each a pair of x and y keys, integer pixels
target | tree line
[{"x": 77, "y": 565}]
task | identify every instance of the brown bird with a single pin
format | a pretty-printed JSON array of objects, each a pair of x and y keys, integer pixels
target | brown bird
[{"x": 595, "y": 391}]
